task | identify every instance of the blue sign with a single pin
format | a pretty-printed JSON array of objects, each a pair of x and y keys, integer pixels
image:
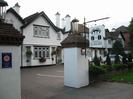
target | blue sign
[{"x": 6, "y": 60}]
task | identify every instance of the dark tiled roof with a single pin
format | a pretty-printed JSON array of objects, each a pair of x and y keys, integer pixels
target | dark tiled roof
[
  {"x": 9, "y": 35},
  {"x": 16, "y": 14},
  {"x": 113, "y": 35},
  {"x": 28, "y": 20},
  {"x": 75, "y": 40},
  {"x": 82, "y": 29},
  {"x": 122, "y": 29}
]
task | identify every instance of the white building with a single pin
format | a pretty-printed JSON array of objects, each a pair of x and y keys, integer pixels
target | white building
[
  {"x": 101, "y": 41},
  {"x": 42, "y": 37}
]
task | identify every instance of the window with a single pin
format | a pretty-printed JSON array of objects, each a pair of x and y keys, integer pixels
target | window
[
  {"x": 92, "y": 38},
  {"x": 41, "y": 31},
  {"x": 99, "y": 37},
  {"x": 41, "y": 52}
]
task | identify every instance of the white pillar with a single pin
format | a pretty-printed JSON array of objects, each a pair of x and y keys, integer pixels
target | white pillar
[
  {"x": 75, "y": 68},
  {"x": 10, "y": 87}
]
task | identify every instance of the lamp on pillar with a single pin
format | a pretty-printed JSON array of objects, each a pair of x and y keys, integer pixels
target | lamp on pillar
[
  {"x": 3, "y": 5},
  {"x": 75, "y": 25}
]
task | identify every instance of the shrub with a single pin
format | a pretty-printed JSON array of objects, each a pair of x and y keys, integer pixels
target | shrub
[
  {"x": 96, "y": 60},
  {"x": 106, "y": 67},
  {"x": 94, "y": 71},
  {"x": 108, "y": 61},
  {"x": 130, "y": 65},
  {"x": 117, "y": 59},
  {"x": 119, "y": 66}
]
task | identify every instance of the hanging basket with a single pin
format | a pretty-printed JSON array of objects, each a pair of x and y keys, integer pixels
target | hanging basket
[
  {"x": 42, "y": 59},
  {"x": 28, "y": 53}
]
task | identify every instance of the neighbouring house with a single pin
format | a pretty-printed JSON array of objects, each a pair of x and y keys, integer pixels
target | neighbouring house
[
  {"x": 126, "y": 34},
  {"x": 42, "y": 38},
  {"x": 101, "y": 41},
  {"x": 12, "y": 16}
]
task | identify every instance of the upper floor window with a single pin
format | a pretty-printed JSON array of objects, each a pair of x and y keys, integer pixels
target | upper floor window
[
  {"x": 99, "y": 37},
  {"x": 41, "y": 31},
  {"x": 92, "y": 38}
]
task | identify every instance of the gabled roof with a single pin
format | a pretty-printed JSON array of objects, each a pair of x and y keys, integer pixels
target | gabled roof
[
  {"x": 113, "y": 35},
  {"x": 28, "y": 20},
  {"x": 9, "y": 35},
  {"x": 16, "y": 14},
  {"x": 122, "y": 29},
  {"x": 82, "y": 29}
]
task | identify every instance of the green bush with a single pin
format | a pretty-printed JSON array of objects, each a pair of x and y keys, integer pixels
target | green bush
[
  {"x": 94, "y": 71},
  {"x": 130, "y": 65},
  {"x": 119, "y": 66},
  {"x": 106, "y": 67}
]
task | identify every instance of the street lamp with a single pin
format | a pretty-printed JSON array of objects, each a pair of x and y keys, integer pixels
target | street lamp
[{"x": 3, "y": 5}]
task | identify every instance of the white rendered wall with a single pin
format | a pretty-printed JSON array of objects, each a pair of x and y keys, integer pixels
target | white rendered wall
[
  {"x": 30, "y": 40},
  {"x": 75, "y": 68},
  {"x": 10, "y": 18},
  {"x": 10, "y": 77}
]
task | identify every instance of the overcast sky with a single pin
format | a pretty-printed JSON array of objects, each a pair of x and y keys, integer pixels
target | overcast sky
[{"x": 119, "y": 11}]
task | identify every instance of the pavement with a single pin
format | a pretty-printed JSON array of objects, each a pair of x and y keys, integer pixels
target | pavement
[{"x": 48, "y": 83}]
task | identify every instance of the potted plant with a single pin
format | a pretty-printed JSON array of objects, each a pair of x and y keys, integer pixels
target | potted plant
[
  {"x": 42, "y": 59},
  {"x": 28, "y": 53}
]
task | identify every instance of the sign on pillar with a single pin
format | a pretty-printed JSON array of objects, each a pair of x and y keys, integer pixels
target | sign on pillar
[{"x": 6, "y": 60}]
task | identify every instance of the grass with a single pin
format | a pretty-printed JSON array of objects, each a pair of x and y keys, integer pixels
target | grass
[{"x": 122, "y": 77}]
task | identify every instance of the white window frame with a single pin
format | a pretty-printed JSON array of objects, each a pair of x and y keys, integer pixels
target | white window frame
[
  {"x": 41, "y": 31},
  {"x": 41, "y": 51}
]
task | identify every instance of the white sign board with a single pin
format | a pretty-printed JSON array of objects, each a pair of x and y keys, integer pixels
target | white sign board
[{"x": 96, "y": 36}]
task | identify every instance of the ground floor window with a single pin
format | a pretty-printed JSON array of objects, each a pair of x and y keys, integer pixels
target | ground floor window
[{"x": 41, "y": 51}]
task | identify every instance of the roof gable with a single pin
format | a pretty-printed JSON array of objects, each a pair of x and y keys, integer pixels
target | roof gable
[
  {"x": 28, "y": 20},
  {"x": 16, "y": 14},
  {"x": 122, "y": 29},
  {"x": 114, "y": 35}
]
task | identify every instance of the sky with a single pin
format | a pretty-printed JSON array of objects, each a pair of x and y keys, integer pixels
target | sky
[{"x": 119, "y": 11}]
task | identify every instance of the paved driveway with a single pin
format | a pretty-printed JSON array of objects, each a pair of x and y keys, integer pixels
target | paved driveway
[{"x": 47, "y": 83}]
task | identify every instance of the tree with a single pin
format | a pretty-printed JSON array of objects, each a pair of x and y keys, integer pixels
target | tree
[
  {"x": 117, "y": 59},
  {"x": 118, "y": 48},
  {"x": 130, "y": 30},
  {"x": 96, "y": 60},
  {"x": 108, "y": 61}
]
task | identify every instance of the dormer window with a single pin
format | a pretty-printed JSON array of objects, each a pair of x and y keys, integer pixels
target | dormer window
[{"x": 41, "y": 31}]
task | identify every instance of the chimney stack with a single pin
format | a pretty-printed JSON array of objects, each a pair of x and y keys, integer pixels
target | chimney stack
[
  {"x": 68, "y": 23},
  {"x": 17, "y": 7},
  {"x": 57, "y": 15}
]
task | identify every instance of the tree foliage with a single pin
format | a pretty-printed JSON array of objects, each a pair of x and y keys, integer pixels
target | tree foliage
[
  {"x": 130, "y": 30},
  {"x": 118, "y": 48},
  {"x": 96, "y": 60},
  {"x": 108, "y": 61}
]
